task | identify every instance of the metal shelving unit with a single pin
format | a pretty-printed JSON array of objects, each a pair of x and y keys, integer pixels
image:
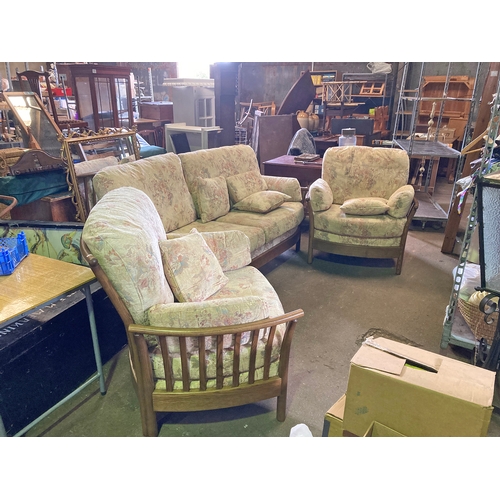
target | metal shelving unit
[
  {"x": 452, "y": 333},
  {"x": 428, "y": 151}
]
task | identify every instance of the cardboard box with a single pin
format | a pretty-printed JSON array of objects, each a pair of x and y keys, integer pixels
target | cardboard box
[
  {"x": 332, "y": 426},
  {"x": 380, "y": 430},
  {"x": 416, "y": 392}
]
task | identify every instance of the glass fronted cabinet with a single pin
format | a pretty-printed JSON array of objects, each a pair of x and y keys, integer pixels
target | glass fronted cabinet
[{"x": 103, "y": 95}]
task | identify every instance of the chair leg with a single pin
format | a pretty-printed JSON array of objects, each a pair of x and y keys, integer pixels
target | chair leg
[
  {"x": 281, "y": 407},
  {"x": 149, "y": 423}
]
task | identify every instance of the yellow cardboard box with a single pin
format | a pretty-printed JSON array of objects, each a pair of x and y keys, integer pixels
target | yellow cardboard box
[
  {"x": 380, "y": 430},
  {"x": 332, "y": 426},
  {"x": 416, "y": 392}
]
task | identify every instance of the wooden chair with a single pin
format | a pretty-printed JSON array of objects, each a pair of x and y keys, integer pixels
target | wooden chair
[{"x": 152, "y": 400}]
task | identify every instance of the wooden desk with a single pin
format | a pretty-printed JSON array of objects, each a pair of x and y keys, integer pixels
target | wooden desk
[
  {"x": 285, "y": 166},
  {"x": 37, "y": 282}
]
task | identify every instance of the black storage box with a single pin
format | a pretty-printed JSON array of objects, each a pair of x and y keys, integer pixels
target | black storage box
[{"x": 47, "y": 355}]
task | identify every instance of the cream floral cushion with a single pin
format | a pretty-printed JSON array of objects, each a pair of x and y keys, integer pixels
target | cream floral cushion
[
  {"x": 191, "y": 268},
  {"x": 122, "y": 231},
  {"x": 232, "y": 248},
  {"x": 287, "y": 185},
  {"x": 242, "y": 185},
  {"x": 213, "y": 198},
  {"x": 400, "y": 201},
  {"x": 365, "y": 206},
  {"x": 262, "y": 202},
  {"x": 320, "y": 195}
]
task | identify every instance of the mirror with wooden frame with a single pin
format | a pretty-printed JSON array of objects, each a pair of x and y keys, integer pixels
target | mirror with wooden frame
[
  {"x": 35, "y": 125},
  {"x": 88, "y": 153}
]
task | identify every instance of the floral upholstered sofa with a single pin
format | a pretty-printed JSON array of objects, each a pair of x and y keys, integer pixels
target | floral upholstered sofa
[
  {"x": 218, "y": 189},
  {"x": 179, "y": 300}
]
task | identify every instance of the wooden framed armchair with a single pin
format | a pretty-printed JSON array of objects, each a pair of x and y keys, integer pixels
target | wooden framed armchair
[
  {"x": 362, "y": 206},
  {"x": 229, "y": 349}
]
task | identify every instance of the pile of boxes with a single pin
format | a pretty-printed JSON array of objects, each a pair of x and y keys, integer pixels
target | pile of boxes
[{"x": 398, "y": 390}]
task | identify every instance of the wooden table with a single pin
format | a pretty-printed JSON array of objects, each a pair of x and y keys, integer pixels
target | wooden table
[
  {"x": 37, "y": 282},
  {"x": 285, "y": 166}
]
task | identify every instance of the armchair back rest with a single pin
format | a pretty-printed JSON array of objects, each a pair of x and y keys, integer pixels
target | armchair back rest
[
  {"x": 210, "y": 163},
  {"x": 122, "y": 232},
  {"x": 363, "y": 171},
  {"x": 161, "y": 178}
]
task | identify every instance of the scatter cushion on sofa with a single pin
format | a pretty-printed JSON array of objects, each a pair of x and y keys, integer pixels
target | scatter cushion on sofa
[
  {"x": 242, "y": 185},
  {"x": 213, "y": 198},
  {"x": 365, "y": 206},
  {"x": 191, "y": 268},
  {"x": 262, "y": 202},
  {"x": 399, "y": 202}
]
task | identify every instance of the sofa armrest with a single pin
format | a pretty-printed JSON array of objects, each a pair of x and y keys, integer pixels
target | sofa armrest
[
  {"x": 320, "y": 196},
  {"x": 209, "y": 313},
  {"x": 286, "y": 185},
  {"x": 232, "y": 248}
]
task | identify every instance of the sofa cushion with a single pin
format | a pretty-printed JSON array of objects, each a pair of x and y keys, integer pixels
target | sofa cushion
[
  {"x": 122, "y": 231},
  {"x": 225, "y": 161},
  {"x": 161, "y": 178},
  {"x": 399, "y": 202},
  {"x": 213, "y": 198},
  {"x": 287, "y": 185},
  {"x": 274, "y": 224},
  {"x": 255, "y": 234},
  {"x": 262, "y": 202},
  {"x": 242, "y": 185},
  {"x": 191, "y": 268},
  {"x": 365, "y": 206},
  {"x": 337, "y": 222}
]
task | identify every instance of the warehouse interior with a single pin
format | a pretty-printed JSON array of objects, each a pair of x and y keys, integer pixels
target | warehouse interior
[{"x": 345, "y": 299}]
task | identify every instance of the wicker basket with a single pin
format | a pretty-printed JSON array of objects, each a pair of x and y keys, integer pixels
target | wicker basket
[{"x": 475, "y": 319}]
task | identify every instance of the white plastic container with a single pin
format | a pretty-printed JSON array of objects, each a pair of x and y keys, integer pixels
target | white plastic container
[{"x": 348, "y": 137}]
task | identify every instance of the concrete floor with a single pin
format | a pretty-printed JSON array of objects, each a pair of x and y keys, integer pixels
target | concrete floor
[{"x": 343, "y": 299}]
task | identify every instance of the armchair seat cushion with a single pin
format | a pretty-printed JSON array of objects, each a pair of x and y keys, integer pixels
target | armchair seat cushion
[
  {"x": 248, "y": 296},
  {"x": 337, "y": 222}
]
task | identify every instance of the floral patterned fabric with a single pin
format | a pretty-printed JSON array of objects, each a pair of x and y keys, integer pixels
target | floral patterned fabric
[
  {"x": 365, "y": 206},
  {"x": 363, "y": 226},
  {"x": 364, "y": 171},
  {"x": 355, "y": 240},
  {"x": 191, "y": 268},
  {"x": 274, "y": 224},
  {"x": 262, "y": 202},
  {"x": 213, "y": 198},
  {"x": 286, "y": 185},
  {"x": 255, "y": 235},
  {"x": 248, "y": 296},
  {"x": 161, "y": 178},
  {"x": 225, "y": 161},
  {"x": 122, "y": 231},
  {"x": 320, "y": 195},
  {"x": 232, "y": 248},
  {"x": 242, "y": 185},
  {"x": 400, "y": 201}
]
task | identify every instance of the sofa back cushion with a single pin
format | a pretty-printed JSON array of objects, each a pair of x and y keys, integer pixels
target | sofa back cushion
[
  {"x": 225, "y": 161},
  {"x": 123, "y": 231},
  {"x": 161, "y": 178},
  {"x": 363, "y": 171}
]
